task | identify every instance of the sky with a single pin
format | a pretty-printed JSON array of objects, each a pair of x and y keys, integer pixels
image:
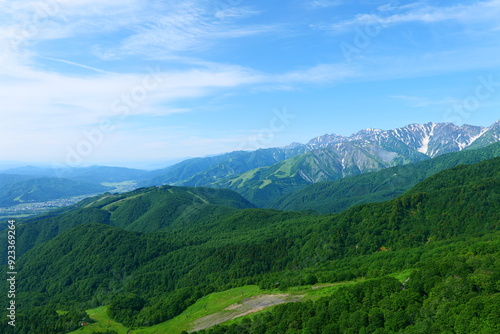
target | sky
[{"x": 142, "y": 82}]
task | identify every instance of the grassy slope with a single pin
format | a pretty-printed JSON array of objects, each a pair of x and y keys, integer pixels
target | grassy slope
[
  {"x": 215, "y": 304},
  {"x": 210, "y": 304}
]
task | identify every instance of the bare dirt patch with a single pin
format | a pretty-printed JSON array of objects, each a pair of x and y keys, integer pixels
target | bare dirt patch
[{"x": 247, "y": 306}]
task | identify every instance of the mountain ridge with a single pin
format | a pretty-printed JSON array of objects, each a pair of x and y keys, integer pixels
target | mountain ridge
[
  {"x": 465, "y": 136},
  {"x": 411, "y": 143}
]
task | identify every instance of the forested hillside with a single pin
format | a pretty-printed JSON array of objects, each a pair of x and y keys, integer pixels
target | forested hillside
[
  {"x": 454, "y": 290},
  {"x": 264, "y": 185},
  {"x": 336, "y": 196},
  {"x": 148, "y": 261},
  {"x": 142, "y": 210}
]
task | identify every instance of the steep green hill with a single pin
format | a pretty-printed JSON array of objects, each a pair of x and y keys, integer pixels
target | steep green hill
[
  {"x": 336, "y": 196},
  {"x": 147, "y": 278},
  {"x": 264, "y": 185},
  {"x": 142, "y": 210}
]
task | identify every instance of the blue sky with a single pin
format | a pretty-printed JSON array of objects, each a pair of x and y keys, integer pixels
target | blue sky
[{"x": 135, "y": 81}]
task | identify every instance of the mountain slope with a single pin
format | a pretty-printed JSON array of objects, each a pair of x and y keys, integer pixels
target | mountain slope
[
  {"x": 6, "y": 179},
  {"x": 45, "y": 189},
  {"x": 142, "y": 210},
  {"x": 165, "y": 272},
  {"x": 262, "y": 186},
  {"x": 100, "y": 174},
  {"x": 153, "y": 209},
  {"x": 449, "y": 290},
  {"x": 336, "y": 196},
  {"x": 202, "y": 171},
  {"x": 490, "y": 135}
]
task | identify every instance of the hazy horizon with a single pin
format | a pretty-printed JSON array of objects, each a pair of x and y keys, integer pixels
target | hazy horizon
[{"x": 137, "y": 164}]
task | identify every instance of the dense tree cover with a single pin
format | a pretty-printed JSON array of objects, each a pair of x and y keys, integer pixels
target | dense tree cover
[
  {"x": 457, "y": 293},
  {"x": 165, "y": 271},
  {"x": 143, "y": 210},
  {"x": 336, "y": 196},
  {"x": 124, "y": 307},
  {"x": 45, "y": 189},
  {"x": 37, "y": 230},
  {"x": 44, "y": 320}
]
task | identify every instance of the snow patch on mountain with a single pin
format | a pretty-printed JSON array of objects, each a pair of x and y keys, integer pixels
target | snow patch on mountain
[
  {"x": 474, "y": 138},
  {"x": 426, "y": 140}
]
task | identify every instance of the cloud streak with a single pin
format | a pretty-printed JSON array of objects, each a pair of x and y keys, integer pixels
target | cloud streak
[
  {"x": 189, "y": 26},
  {"x": 322, "y": 4},
  {"x": 420, "y": 12}
]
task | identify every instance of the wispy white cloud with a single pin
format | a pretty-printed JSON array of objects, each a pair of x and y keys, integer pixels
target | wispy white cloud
[
  {"x": 321, "y": 4},
  {"x": 98, "y": 70},
  {"x": 143, "y": 26},
  {"x": 389, "y": 15},
  {"x": 235, "y": 12},
  {"x": 189, "y": 26},
  {"x": 59, "y": 107},
  {"x": 320, "y": 74}
]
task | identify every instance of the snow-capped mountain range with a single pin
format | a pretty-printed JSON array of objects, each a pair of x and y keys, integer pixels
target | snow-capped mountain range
[
  {"x": 431, "y": 139},
  {"x": 328, "y": 157}
]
